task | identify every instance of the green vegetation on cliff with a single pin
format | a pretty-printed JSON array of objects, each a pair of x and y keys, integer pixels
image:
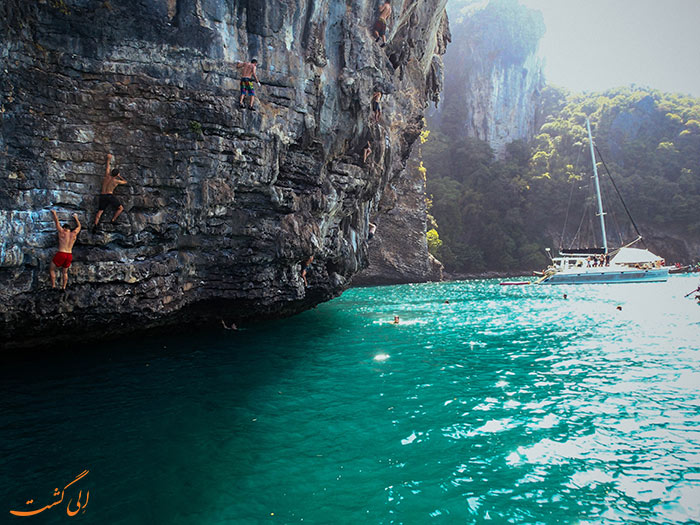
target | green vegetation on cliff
[{"x": 499, "y": 214}]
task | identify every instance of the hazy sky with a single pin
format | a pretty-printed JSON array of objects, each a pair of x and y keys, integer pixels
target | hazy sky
[{"x": 592, "y": 45}]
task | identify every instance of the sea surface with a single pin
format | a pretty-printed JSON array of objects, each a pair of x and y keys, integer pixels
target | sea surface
[{"x": 485, "y": 403}]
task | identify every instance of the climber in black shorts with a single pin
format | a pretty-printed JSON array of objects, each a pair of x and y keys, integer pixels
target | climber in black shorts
[
  {"x": 111, "y": 180},
  {"x": 107, "y": 200}
]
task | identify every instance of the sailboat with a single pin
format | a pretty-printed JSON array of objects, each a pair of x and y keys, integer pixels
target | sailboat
[{"x": 602, "y": 265}]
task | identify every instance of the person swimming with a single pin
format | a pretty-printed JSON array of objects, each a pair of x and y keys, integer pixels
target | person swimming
[{"x": 232, "y": 327}]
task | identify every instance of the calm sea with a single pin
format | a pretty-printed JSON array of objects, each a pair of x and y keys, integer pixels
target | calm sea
[{"x": 505, "y": 404}]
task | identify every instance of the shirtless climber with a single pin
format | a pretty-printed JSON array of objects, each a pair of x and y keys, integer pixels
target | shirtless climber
[
  {"x": 64, "y": 256},
  {"x": 366, "y": 152},
  {"x": 372, "y": 230},
  {"x": 111, "y": 180},
  {"x": 376, "y": 106},
  {"x": 306, "y": 268},
  {"x": 379, "y": 28},
  {"x": 247, "y": 75}
]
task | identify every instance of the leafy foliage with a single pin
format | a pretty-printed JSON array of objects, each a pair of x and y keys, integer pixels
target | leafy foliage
[
  {"x": 434, "y": 242},
  {"x": 499, "y": 214}
]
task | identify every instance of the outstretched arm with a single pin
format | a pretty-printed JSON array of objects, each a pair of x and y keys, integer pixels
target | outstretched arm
[
  {"x": 109, "y": 164},
  {"x": 55, "y": 220},
  {"x": 121, "y": 180},
  {"x": 255, "y": 76},
  {"x": 77, "y": 221}
]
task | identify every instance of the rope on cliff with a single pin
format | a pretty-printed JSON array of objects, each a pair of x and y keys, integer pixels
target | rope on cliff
[
  {"x": 568, "y": 208},
  {"x": 619, "y": 195}
]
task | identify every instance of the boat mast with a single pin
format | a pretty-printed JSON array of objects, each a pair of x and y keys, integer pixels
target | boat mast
[{"x": 601, "y": 214}]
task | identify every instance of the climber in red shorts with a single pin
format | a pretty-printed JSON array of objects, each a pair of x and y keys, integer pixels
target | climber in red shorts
[{"x": 64, "y": 256}]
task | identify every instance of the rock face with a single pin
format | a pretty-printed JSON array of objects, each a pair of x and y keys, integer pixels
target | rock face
[
  {"x": 494, "y": 75},
  {"x": 398, "y": 253},
  {"x": 223, "y": 205}
]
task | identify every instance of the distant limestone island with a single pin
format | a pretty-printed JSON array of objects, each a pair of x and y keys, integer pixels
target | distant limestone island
[
  {"x": 506, "y": 154},
  {"x": 498, "y": 213}
]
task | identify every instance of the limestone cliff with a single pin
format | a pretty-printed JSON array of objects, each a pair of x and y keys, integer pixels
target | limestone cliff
[
  {"x": 492, "y": 82},
  {"x": 223, "y": 204},
  {"x": 398, "y": 253},
  {"x": 494, "y": 76}
]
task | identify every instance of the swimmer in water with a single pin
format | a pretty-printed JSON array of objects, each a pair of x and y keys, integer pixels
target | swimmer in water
[
  {"x": 232, "y": 327},
  {"x": 396, "y": 319}
]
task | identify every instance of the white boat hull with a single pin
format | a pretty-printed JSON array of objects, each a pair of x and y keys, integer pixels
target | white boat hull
[{"x": 607, "y": 275}]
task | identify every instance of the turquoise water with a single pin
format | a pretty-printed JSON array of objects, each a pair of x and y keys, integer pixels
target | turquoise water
[{"x": 505, "y": 405}]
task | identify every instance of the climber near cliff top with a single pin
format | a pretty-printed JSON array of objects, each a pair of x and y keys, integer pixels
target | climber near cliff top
[
  {"x": 247, "y": 75},
  {"x": 111, "y": 180},
  {"x": 380, "y": 25},
  {"x": 64, "y": 256}
]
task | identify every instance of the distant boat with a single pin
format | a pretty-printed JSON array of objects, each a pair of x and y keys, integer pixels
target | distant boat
[
  {"x": 602, "y": 265},
  {"x": 680, "y": 269}
]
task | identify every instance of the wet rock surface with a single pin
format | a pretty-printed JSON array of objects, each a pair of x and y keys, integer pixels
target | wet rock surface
[{"x": 223, "y": 204}]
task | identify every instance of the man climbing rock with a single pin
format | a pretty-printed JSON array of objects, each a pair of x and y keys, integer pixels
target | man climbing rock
[
  {"x": 306, "y": 268},
  {"x": 366, "y": 152},
  {"x": 372, "y": 230},
  {"x": 64, "y": 256},
  {"x": 376, "y": 106},
  {"x": 248, "y": 73},
  {"x": 111, "y": 180},
  {"x": 380, "y": 25}
]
